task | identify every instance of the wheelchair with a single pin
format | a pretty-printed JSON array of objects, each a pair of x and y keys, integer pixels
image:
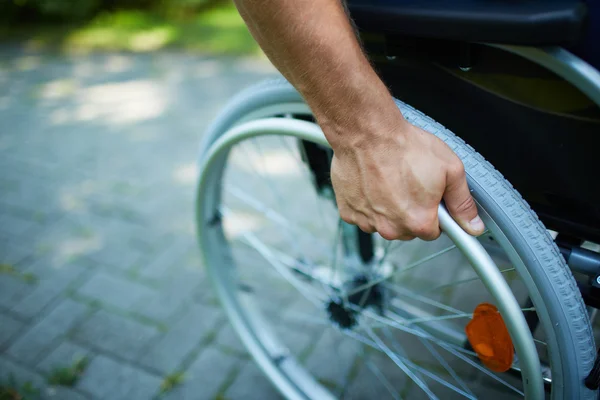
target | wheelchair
[{"x": 328, "y": 311}]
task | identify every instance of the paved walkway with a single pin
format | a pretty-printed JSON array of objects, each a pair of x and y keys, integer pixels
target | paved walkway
[{"x": 97, "y": 246}]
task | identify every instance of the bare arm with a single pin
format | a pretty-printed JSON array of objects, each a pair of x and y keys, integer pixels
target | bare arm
[
  {"x": 388, "y": 175},
  {"x": 314, "y": 46}
]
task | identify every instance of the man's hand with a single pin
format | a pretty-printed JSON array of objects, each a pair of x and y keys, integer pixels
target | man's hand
[
  {"x": 394, "y": 183},
  {"x": 388, "y": 175}
]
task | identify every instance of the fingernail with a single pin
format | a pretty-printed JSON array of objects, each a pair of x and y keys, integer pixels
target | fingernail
[{"x": 477, "y": 224}]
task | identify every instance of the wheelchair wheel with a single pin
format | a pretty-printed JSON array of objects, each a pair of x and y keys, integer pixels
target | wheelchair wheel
[{"x": 330, "y": 312}]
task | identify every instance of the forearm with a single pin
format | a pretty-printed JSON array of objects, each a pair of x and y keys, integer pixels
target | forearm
[{"x": 314, "y": 46}]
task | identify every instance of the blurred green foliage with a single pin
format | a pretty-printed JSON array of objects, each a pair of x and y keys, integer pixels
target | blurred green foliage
[
  {"x": 78, "y": 10},
  {"x": 126, "y": 25}
]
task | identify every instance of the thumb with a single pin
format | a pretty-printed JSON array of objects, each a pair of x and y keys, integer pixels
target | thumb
[{"x": 460, "y": 203}]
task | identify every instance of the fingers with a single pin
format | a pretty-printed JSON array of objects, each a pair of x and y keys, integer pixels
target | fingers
[
  {"x": 390, "y": 231},
  {"x": 459, "y": 201},
  {"x": 425, "y": 228},
  {"x": 363, "y": 222},
  {"x": 357, "y": 218},
  {"x": 425, "y": 225}
]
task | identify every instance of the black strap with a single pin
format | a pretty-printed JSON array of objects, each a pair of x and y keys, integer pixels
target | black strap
[{"x": 592, "y": 381}]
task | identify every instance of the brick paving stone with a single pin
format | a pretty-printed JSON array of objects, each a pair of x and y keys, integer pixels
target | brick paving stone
[
  {"x": 13, "y": 254},
  {"x": 49, "y": 267},
  {"x": 206, "y": 375},
  {"x": 116, "y": 334},
  {"x": 63, "y": 241},
  {"x": 115, "y": 249},
  {"x": 164, "y": 305},
  {"x": 252, "y": 384},
  {"x": 159, "y": 265},
  {"x": 63, "y": 393},
  {"x": 115, "y": 290},
  {"x": 52, "y": 282},
  {"x": 40, "y": 338},
  {"x": 109, "y": 240},
  {"x": 33, "y": 199},
  {"x": 110, "y": 379},
  {"x": 296, "y": 340},
  {"x": 64, "y": 355},
  {"x": 14, "y": 225},
  {"x": 229, "y": 339},
  {"x": 117, "y": 255},
  {"x": 168, "y": 353},
  {"x": 9, "y": 326},
  {"x": 12, "y": 287},
  {"x": 12, "y": 290},
  {"x": 175, "y": 294}
]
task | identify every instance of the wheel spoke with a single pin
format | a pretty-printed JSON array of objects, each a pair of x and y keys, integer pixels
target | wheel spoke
[
  {"x": 446, "y": 317},
  {"x": 273, "y": 216},
  {"x": 346, "y": 377},
  {"x": 386, "y": 384},
  {"x": 438, "y": 318},
  {"x": 413, "y": 331},
  {"x": 412, "y": 365},
  {"x": 457, "y": 351},
  {"x": 386, "y": 250},
  {"x": 425, "y": 259},
  {"x": 304, "y": 171},
  {"x": 395, "y": 345},
  {"x": 264, "y": 251},
  {"x": 415, "y": 296},
  {"x": 310, "y": 295},
  {"x": 446, "y": 366},
  {"x": 396, "y": 359},
  {"x": 482, "y": 369},
  {"x": 455, "y": 283},
  {"x": 295, "y": 265},
  {"x": 334, "y": 256},
  {"x": 275, "y": 193},
  {"x": 455, "y": 312},
  {"x": 306, "y": 318},
  {"x": 399, "y": 271}
]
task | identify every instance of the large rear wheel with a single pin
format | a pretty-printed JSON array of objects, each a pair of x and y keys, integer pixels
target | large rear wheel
[{"x": 328, "y": 311}]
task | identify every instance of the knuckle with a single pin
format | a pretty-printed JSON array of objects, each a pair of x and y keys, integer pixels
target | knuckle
[
  {"x": 388, "y": 232},
  {"x": 346, "y": 216},
  {"x": 425, "y": 227},
  {"x": 366, "y": 228},
  {"x": 456, "y": 169},
  {"x": 465, "y": 206},
  {"x": 432, "y": 235}
]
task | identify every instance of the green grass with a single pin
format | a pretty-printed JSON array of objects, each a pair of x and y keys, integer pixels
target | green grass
[
  {"x": 68, "y": 376},
  {"x": 11, "y": 390},
  {"x": 218, "y": 30},
  {"x": 171, "y": 380},
  {"x": 27, "y": 277}
]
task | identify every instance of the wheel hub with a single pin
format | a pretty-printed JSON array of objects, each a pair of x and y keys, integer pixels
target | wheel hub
[{"x": 344, "y": 315}]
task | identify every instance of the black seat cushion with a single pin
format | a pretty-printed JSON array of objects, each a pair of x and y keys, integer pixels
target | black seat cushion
[{"x": 520, "y": 22}]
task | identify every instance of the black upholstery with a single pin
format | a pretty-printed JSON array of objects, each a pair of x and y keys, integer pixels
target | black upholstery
[{"x": 521, "y": 22}]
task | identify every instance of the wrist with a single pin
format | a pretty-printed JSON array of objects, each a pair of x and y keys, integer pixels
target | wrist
[{"x": 368, "y": 121}]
